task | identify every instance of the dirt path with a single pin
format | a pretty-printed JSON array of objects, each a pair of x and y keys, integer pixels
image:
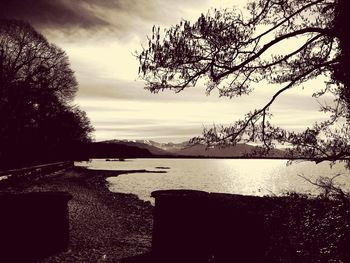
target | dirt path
[{"x": 104, "y": 227}]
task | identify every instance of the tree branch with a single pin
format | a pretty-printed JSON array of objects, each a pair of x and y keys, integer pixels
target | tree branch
[
  {"x": 274, "y": 97},
  {"x": 267, "y": 46}
]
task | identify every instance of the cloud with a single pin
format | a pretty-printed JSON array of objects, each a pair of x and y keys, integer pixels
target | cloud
[
  {"x": 134, "y": 91},
  {"x": 52, "y": 14},
  {"x": 122, "y": 110},
  {"x": 119, "y": 17},
  {"x": 174, "y": 133}
]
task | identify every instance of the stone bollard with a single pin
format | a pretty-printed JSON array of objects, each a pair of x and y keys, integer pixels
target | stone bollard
[
  {"x": 199, "y": 227},
  {"x": 33, "y": 225},
  {"x": 180, "y": 229}
]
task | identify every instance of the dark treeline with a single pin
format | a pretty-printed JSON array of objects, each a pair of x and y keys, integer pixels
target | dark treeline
[{"x": 38, "y": 122}]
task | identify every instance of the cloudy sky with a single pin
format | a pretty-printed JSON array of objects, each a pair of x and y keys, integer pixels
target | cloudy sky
[{"x": 100, "y": 38}]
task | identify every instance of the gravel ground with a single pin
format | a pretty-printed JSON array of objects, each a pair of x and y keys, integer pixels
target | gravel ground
[{"x": 104, "y": 226}]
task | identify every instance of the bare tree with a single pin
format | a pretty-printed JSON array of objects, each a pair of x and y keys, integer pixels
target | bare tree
[
  {"x": 36, "y": 88},
  {"x": 236, "y": 51},
  {"x": 27, "y": 58}
]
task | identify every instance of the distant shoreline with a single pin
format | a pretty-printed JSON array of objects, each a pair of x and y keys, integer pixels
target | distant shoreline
[{"x": 216, "y": 157}]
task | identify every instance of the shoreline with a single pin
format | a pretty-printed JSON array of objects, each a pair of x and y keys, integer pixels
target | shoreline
[
  {"x": 104, "y": 226},
  {"x": 107, "y": 226}
]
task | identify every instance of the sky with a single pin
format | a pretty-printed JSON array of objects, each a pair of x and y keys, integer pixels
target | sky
[{"x": 100, "y": 38}]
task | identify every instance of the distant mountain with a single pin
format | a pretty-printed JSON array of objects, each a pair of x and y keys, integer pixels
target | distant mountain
[
  {"x": 184, "y": 149},
  {"x": 239, "y": 150},
  {"x": 142, "y": 144},
  {"x": 168, "y": 147},
  {"x": 110, "y": 150},
  {"x": 229, "y": 151}
]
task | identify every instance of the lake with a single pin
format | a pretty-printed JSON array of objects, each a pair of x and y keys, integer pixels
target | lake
[{"x": 238, "y": 176}]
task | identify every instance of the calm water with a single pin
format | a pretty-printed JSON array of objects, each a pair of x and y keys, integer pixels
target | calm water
[{"x": 250, "y": 177}]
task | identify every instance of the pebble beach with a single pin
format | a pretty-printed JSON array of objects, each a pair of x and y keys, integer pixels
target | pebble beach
[{"x": 104, "y": 226}]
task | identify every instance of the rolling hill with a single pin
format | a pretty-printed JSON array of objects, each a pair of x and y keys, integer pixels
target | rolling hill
[{"x": 183, "y": 149}]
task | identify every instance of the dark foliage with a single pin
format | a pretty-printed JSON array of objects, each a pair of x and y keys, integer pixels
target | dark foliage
[{"x": 38, "y": 123}]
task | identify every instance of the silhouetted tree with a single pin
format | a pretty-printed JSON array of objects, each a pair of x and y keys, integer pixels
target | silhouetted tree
[
  {"x": 234, "y": 51},
  {"x": 36, "y": 89}
]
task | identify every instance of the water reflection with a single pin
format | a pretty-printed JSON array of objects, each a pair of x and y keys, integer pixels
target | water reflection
[{"x": 250, "y": 177}]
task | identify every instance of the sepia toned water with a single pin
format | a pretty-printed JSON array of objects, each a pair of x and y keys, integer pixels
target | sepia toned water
[{"x": 237, "y": 176}]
